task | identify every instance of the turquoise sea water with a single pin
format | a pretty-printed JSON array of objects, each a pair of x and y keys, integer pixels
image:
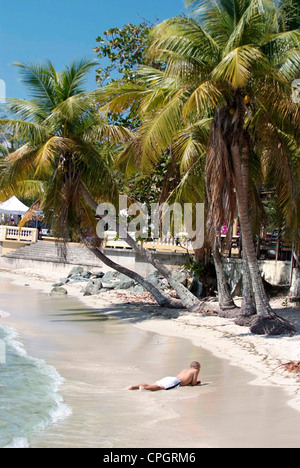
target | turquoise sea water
[{"x": 29, "y": 393}]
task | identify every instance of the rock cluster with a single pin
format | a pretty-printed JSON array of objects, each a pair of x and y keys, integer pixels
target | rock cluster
[{"x": 94, "y": 283}]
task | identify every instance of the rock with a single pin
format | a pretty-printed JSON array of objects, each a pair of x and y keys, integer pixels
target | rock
[
  {"x": 164, "y": 284},
  {"x": 64, "y": 280},
  {"x": 98, "y": 274},
  {"x": 93, "y": 287},
  {"x": 158, "y": 280},
  {"x": 57, "y": 285},
  {"x": 76, "y": 280},
  {"x": 58, "y": 291},
  {"x": 237, "y": 290},
  {"x": 110, "y": 276},
  {"x": 109, "y": 286},
  {"x": 76, "y": 271},
  {"x": 181, "y": 277},
  {"x": 154, "y": 280},
  {"x": 138, "y": 289},
  {"x": 125, "y": 284},
  {"x": 155, "y": 274},
  {"x": 86, "y": 275},
  {"x": 196, "y": 288}
]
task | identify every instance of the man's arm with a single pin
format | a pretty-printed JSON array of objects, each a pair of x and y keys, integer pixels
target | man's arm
[{"x": 195, "y": 381}]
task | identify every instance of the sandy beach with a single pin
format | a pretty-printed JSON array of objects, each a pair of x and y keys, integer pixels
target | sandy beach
[{"x": 254, "y": 360}]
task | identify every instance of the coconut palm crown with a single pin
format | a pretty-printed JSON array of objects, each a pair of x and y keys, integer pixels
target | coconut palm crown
[{"x": 62, "y": 137}]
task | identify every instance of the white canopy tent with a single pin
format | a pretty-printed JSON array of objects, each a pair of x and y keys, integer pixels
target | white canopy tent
[{"x": 13, "y": 207}]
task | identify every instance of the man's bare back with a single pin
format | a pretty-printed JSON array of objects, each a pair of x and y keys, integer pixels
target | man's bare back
[{"x": 189, "y": 377}]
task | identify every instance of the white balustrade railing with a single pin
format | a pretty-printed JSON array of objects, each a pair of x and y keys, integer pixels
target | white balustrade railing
[
  {"x": 179, "y": 243},
  {"x": 10, "y": 233}
]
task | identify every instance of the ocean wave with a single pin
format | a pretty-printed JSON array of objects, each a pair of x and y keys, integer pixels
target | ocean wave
[{"x": 45, "y": 383}]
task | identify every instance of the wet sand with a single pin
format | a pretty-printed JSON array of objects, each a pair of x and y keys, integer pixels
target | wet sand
[{"x": 99, "y": 354}]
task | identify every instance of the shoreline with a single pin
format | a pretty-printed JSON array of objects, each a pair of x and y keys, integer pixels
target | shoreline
[{"x": 262, "y": 356}]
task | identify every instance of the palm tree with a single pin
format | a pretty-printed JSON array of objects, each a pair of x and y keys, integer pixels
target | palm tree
[
  {"x": 250, "y": 57},
  {"x": 233, "y": 64},
  {"x": 63, "y": 154},
  {"x": 158, "y": 101}
]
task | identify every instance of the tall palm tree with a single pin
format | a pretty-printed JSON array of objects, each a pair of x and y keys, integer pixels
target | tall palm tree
[
  {"x": 234, "y": 64},
  {"x": 64, "y": 135},
  {"x": 250, "y": 57}
]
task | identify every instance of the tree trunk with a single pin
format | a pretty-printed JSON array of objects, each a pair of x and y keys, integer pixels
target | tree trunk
[
  {"x": 266, "y": 322},
  {"x": 294, "y": 294},
  {"x": 248, "y": 305},
  {"x": 159, "y": 296},
  {"x": 261, "y": 300},
  {"x": 189, "y": 301},
  {"x": 248, "y": 309},
  {"x": 226, "y": 302}
]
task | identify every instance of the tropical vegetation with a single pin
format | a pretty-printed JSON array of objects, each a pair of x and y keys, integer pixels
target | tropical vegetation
[
  {"x": 207, "y": 106},
  {"x": 63, "y": 158},
  {"x": 225, "y": 95}
]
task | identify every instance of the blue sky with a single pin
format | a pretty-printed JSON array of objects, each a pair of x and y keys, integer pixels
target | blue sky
[{"x": 61, "y": 30}]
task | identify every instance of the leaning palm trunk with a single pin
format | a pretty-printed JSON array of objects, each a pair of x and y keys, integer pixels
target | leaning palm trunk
[
  {"x": 187, "y": 298},
  {"x": 161, "y": 298},
  {"x": 189, "y": 301}
]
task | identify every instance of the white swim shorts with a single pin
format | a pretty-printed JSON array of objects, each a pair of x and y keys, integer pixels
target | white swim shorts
[{"x": 169, "y": 382}]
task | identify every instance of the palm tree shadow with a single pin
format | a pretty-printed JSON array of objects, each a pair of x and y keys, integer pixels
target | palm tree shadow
[{"x": 120, "y": 312}]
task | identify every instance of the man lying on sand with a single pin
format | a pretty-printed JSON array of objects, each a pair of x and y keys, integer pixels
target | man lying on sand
[{"x": 184, "y": 378}]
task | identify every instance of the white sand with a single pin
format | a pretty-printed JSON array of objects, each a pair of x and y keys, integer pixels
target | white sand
[{"x": 263, "y": 356}]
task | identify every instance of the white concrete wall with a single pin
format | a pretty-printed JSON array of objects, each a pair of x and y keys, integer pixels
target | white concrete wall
[{"x": 275, "y": 273}]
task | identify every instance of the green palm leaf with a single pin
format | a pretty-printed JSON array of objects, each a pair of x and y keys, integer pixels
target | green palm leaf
[{"x": 236, "y": 66}]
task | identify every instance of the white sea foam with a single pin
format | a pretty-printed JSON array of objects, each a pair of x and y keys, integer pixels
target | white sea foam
[
  {"x": 60, "y": 410},
  {"x": 4, "y": 314},
  {"x": 19, "y": 442}
]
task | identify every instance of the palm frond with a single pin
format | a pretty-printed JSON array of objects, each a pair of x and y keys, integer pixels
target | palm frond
[
  {"x": 203, "y": 99},
  {"x": 74, "y": 77},
  {"x": 159, "y": 131},
  {"x": 116, "y": 98},
  {"x": 192, "y": 187},
  {"x": 71, "y": 109},
  {"x": 30, "y": 111},
  {"x": 39, "y": 81},
  {"x": 236, "y": 66},
  {"x": 104, "y": 133},
  {"x": 129, "y": 158},
  {"x": 24, "y": 130},
  {"x": 54, "y": 147},
  {"x": 184, "y": 37},
  {"x": 191, "y": 144}
]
